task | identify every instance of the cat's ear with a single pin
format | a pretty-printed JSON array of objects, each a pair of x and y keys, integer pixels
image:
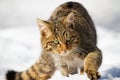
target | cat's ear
[
  {"x": 43, "y": 27},
  {"x": 70, "y": 18}
]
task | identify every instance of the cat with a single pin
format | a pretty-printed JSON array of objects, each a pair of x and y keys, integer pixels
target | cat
[{"x": 69, "y": 44}]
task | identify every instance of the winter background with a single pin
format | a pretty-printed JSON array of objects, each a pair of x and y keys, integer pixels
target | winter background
[{"x": 20, "y": 42}]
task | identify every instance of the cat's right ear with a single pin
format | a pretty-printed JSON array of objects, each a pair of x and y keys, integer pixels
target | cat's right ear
[
  {"x": 70, "y": 18},
  {"x": 43, "y": 27}
]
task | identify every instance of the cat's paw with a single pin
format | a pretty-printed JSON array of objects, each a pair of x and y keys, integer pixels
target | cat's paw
[
  {"x": 65, "y": 73},
  {"x": 92, "y": 74},
  {"x": 64, "y": 70}
]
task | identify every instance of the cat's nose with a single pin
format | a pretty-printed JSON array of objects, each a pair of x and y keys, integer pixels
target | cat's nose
[{"x": 64, "y": 48}]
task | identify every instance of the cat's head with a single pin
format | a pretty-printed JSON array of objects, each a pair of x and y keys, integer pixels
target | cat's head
[{"x": 59, "y": 37}]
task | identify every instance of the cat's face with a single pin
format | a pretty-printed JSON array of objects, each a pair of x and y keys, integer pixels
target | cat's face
[{"x": 58, "y": 38}]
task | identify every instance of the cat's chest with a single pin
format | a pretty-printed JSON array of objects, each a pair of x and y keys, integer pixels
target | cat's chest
[{"x": 71, "y": 61}]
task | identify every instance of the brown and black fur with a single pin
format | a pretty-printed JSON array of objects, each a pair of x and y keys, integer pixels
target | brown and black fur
[{"x": 69, "y": 43}]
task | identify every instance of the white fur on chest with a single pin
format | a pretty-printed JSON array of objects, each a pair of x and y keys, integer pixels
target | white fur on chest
[{"x": 72, "y": 61}]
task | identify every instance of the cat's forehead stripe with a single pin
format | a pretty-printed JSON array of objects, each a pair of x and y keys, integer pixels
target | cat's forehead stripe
[{"x": 60, "y": 35}]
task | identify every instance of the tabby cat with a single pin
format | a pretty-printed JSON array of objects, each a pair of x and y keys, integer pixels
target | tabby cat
[{"x": 68, "y": 41}]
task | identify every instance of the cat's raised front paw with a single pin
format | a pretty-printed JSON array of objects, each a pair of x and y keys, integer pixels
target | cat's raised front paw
[{"x": 92, "y": 74}]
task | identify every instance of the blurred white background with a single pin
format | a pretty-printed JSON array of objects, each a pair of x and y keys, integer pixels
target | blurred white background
[
  {"x": 19, "y": 34},
  {"x": 25, "y": 12}
]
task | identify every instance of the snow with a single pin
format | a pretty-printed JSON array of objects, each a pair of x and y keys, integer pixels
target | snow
[
  {"x": 20, "y": 41},
  {"x": 20, "y": 48},
  {"x": 17, "y": 12}
]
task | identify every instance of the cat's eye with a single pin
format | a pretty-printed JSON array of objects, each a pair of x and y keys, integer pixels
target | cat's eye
[
  {"x": 56, "y": 41},
  {"x": 68, "y": 38}
]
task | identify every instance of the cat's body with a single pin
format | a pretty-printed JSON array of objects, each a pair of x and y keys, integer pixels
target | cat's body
[{"x": 68, "y": 41}]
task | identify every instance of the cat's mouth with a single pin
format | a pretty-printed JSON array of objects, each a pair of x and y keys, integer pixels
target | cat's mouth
[{"x": 64, "y": 53}]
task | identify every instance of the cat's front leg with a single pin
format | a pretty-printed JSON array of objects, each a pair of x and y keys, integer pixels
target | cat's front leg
[
  {"x": 91, "y": 64},
  {"x": 45, "y": 72},
  {"x": 46, "y": 67},
  {"x": 68, "y": 70}
]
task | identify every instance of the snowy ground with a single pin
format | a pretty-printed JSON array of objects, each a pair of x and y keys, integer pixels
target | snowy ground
[{"x": 20, "y": 47}]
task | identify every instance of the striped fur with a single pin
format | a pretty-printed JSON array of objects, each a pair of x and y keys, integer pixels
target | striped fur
[
  {"x": 29, "y": 74},
  {"x": 69, "y": 43}
]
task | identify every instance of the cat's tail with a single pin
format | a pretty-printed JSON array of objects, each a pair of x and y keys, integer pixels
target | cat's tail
[
  {"x": 11, "y": 75},
  {"x": 29, "y": 74},
  {"x": 43, "y": 69}
]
